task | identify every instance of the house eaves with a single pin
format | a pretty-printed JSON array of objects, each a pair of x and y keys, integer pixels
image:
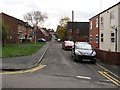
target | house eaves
[
  {"x": 105, "y": 10},
  {"x": 43, "y": 31}
]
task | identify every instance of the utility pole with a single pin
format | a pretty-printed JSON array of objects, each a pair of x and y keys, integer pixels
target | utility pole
[{"x": 73, "y": 32}]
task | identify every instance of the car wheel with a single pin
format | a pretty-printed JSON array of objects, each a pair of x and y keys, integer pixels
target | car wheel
[{"x": 75, "y": 58}]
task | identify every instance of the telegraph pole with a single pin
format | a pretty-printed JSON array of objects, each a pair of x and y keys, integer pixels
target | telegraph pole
[
  {"x": 73, "y": 32},
  {"x": 73, "y": 36}
]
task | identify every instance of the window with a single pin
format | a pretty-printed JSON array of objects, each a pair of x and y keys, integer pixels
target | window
[
  {"x": 96, "y": 22},
  {"x": 96, "y": 38},
  {"x": 112, "y": 18},
  {"x": 90, "y": 38},
  {"x": 90, "y": 24},
  {"x": 102, "y": 38},
  {"x": 77, "y": 30},
  {"x": 112, "y": 37},
  {"x": 101, "y": 22},
  {"x": 70, "y": 30},
  {"x": 70, "y": 37}
]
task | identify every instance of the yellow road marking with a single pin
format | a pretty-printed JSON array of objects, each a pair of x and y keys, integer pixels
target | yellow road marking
[
  {"x": 24, "y": 71},
  {"x": 115, "y": 81},
  {"x": 112, "y": 77}
]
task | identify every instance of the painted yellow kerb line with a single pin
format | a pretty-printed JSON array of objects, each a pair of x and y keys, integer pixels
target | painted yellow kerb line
[
  {"x": 24, "y": 71},
  {"x": 112, "y": 77},
  {"x": 115, "y": 81}
]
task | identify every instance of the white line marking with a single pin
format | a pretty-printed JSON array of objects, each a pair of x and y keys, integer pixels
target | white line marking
[{"x": 83, "y": 77}]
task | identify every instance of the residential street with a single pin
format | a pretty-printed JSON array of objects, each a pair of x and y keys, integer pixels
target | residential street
[{"x": 60, "y": 71}]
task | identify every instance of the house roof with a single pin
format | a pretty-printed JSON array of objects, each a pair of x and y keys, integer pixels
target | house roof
[
  {"x": 18, "y": 20},
  {"x": 43, "y": 31},
  {"x": 105, "y": 10}
]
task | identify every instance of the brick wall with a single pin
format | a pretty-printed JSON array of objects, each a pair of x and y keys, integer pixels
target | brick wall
[
  {"x": 108, "y": 57},
  {"x": 12, "y": 26},
  {"x": 93, "y": 32}
]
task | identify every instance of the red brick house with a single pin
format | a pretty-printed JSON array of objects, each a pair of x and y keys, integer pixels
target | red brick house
[
  {"x": 94, "y": 31},
  {"x": 42, "y": 33},
  {"x": 18, "y": 30},
  {"x": 78, "y": 31}
]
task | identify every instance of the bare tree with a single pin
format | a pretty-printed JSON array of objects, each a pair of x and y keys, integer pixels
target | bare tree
[{"x": 35, "y": 17}]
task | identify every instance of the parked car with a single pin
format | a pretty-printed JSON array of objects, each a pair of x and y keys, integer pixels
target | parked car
[
  {"x": 41, "y": 40},
  {"x": 67, "y": 45},
  {"x": 83, "y": 51}
]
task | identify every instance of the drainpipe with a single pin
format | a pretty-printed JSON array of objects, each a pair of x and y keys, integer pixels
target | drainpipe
[{"x": 116, "y": 40}]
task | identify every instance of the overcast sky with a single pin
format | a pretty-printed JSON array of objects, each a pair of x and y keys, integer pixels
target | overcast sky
[{"x": 55, "y": 9}]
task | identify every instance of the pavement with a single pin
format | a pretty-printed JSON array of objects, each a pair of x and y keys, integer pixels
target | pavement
[
  {"x": 113, "y": 69},
  {"x": 26, "y": 62}
]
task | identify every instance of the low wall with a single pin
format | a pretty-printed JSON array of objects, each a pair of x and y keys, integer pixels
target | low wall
[{"x": 108, "y": 57}]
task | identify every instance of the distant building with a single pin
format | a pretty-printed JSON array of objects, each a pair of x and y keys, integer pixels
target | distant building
[
  {"x": 78, "y": 31},
  {"x": 42, "y": 33}
]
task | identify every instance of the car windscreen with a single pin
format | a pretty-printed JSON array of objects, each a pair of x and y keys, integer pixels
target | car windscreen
[{"x": 83, "y": 46}]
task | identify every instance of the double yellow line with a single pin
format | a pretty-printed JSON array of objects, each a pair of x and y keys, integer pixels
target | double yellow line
[
  {"x": 24, "y": 71},
  {"x": 112, "y": 79}
]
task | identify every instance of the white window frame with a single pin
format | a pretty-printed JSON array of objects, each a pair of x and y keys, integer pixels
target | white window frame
[
  {"x": 101, "y": 22},
  {"x": 96, "y": 22},
  {"x": 78, "y": 31},
  {"x": 96, "y": 36},
  {"x": 112, "y": 18},
  {"x": 90, "y": 38},
  {"x": 90, "y": 24}
]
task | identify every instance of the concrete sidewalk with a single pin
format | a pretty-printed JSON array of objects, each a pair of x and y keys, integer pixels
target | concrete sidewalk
[
  {"x": 24, "y": 62},
  {"x": 113, "y": 69}
]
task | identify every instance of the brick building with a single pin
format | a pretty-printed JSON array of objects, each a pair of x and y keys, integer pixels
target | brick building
[
  {"x": 94, "y": 32},
  {"x": 18, "y": 30},
  {"x": 42, "y": 33},
  {"x": 78, "y": 31}
]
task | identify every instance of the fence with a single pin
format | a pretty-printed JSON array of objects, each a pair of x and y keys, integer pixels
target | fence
[{"x": 108, "y": 57}]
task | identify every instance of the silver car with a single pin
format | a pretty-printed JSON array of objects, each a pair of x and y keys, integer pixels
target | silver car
[{"x": 82, "y": 51}]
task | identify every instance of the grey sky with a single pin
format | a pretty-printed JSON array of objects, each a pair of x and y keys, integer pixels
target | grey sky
[{"x": 83, "y": 9}]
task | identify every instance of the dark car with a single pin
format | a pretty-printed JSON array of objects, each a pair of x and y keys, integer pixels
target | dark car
[
  {"x": 82, "y": 51},
  {"x": 41, "y": 40},
  {"x": 67, "y": 45}
]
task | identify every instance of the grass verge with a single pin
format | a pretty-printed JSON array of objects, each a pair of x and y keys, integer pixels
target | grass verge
[{"x": 24, "y": 49}]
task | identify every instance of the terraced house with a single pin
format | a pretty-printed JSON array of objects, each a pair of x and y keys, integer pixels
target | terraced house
[
  {"x": 93, "y": 31},
  {"x": 104, "y": 34},
  {"x": 109, "y": 30},
  {"x": 18, "y": 30}
]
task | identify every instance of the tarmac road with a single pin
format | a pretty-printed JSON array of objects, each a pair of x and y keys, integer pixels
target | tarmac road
[{"x": 59, "y": 71}]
